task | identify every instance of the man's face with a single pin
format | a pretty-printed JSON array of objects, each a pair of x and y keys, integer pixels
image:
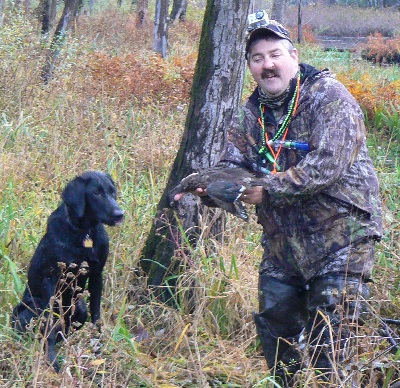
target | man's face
[{"x": 272, "y": 66}]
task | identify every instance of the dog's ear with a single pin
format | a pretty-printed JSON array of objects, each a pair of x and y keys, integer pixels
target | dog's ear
[
  {"x": 110, "y": 179},
  {"x": 74, "y": 196}
]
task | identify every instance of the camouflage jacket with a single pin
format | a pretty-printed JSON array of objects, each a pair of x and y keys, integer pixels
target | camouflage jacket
[{"x": 321, "y": 200}]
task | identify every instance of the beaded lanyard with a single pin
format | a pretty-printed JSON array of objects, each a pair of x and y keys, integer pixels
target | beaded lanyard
[{"x": 267, "y": 149}]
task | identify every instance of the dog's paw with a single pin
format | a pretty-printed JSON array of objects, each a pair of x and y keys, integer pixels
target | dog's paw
[{"x": 96, "y": 326}]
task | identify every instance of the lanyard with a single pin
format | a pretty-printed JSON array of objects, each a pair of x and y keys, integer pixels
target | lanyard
[{"x": 267, "y": 149}]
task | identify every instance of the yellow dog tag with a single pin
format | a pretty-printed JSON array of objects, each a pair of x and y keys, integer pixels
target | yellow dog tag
[{"x": 88, "y": 242}]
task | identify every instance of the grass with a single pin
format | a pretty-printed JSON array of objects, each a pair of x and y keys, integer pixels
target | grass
[{"x": 114, "y": 106}]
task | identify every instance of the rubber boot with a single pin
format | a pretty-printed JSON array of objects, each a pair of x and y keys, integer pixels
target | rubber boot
[
  {"x": 283, "y": 314},
  {"x": 337, "y": 306}
]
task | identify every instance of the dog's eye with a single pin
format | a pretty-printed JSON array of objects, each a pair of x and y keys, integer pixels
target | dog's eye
[{"x": 112, "y": 193}]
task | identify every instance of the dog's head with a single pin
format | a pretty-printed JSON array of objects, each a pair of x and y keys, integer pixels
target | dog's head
[{"x": 92, "y": 196}]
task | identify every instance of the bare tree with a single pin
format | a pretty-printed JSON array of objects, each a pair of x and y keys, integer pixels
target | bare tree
[
  {"x": 48, "y": 10},
  {"x": 68, "y": 15},
  {"x": 161, "y": 27},
  {"x": 142, "y": 10},
  {"x": 1, "y": 12},
  {"x": 91, "y": 6},
  {"x": 216, "y": 93},
  {"x": 299, "y": 21},
  {"x": 178, "y": 11},
  {"x": 278, "y": 10}
]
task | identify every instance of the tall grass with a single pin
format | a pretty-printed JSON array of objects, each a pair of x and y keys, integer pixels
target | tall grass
[{"x": 87, "y": 118}]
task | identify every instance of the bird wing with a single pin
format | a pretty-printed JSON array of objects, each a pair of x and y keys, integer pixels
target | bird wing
[{"x": 226, "y": 194}]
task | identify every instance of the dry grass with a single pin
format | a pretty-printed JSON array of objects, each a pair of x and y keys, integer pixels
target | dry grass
[{"x": 113, "y": 105}]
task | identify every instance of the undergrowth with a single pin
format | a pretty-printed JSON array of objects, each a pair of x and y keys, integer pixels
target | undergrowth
[{"x": 115, "y": 106}]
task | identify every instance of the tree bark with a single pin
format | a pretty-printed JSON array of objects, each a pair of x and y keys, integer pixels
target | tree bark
[
  {"x": 45, "y": 12},
  {"x": 48, "y": 11},
  {"x": 91, "y": 7},
  {"x": 161, "y": 28},
  {"x": 216, "y": 93},
  {"x": 68, "y": 15},
  {"x": 1, "y": 12},
  {"x": 142, "y": 10},
  {"x": 299, "y": 21},
  {"x": 278, "y": 10},
  {"x": 178, "y": 11}
]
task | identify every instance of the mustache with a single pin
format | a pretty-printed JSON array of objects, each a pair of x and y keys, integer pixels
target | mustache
[{"x": 268, "y": 73}]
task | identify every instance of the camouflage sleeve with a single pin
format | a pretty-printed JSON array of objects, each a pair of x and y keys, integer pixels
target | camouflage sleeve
[
  {"x": 236, "y": 151},
  {"x": 337, "y": 135}
]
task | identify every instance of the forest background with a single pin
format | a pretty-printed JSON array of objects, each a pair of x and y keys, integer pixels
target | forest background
[{"x": 115, "y": 105}]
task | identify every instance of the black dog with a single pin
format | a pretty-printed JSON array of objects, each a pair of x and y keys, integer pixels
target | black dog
[{"x": 73, "y": 251}]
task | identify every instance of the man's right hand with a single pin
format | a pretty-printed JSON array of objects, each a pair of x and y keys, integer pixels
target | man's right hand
[{"x": 199, "y": 191}]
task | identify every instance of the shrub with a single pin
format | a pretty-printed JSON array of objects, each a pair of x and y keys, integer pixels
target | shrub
[
  {"x": 308, "y": 34},
  {"x": 382, "y": 50},
  {"x": 372, "y": 94},
  {"x": 126, "y": 77}
]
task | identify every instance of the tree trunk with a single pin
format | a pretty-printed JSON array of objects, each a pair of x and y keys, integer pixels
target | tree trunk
[
  {"x": 1, "y": 12},
  {"x": 45, "y": 8},
  {"x": 278, "y": 10},
  {"x": 91, "y": 7},
  {"x": 142, "y": 10},
  {"x": 48, "y": 11},
  {"x": 216, "y": 93},
  {"x": 299, "y": 22},
  {"x": 161, "y": 28},
  {"x": 68, "y": 15},
  {"x": 178, "y": 11},
  {"x": 53, "y": 12}
]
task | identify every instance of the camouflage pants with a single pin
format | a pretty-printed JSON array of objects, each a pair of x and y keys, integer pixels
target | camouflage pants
[{"x": 327, "y": 309}]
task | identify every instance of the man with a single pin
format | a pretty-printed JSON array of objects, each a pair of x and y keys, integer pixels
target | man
[{"x": 318, "y": 204}]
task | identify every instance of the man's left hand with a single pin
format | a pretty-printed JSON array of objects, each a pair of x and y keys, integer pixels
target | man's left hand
[{"x": 253, "y": 195}]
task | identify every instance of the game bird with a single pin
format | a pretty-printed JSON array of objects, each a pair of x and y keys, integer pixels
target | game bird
[{"x": 224, "y": 186}]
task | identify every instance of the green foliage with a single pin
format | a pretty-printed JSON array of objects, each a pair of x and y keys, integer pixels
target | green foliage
[
  {"x": 14, "y": 37},
  {"x": 121, "y": 333},
  {"x": 11, "y": 132},
  {"x": 387, "y": 119}
]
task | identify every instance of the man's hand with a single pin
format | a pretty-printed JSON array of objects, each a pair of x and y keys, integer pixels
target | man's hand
[
  {"x": 199, "y": 191},
  {"x": 253, "y": 195}
]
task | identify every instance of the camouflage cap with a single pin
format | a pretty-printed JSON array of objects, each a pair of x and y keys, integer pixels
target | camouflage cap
[{"x": 273, "y": 28}]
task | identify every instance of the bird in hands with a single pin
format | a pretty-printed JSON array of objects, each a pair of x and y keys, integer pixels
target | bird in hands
[{"x": 223, "y": 185}]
